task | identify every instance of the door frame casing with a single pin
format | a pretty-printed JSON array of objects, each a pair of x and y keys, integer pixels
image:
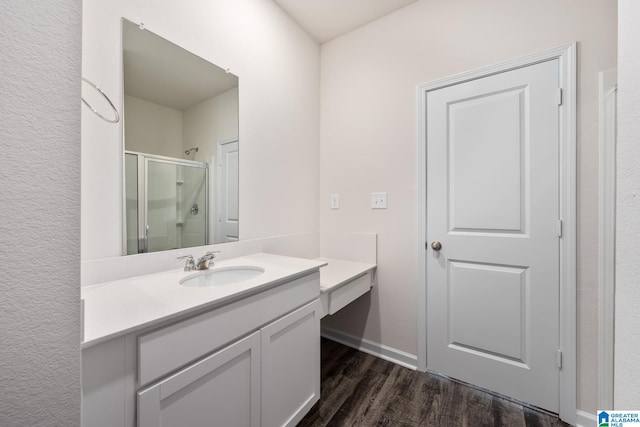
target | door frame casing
[
  {"x": 607, "y": 88},
  {"x": 566, "y": 56}
]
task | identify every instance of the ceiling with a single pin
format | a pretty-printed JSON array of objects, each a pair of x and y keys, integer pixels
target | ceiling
[
  {"x": 161, "y": 72},
  {"x": 328, "y": 19}
]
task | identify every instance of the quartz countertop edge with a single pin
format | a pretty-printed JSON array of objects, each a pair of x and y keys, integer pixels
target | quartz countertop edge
[
  {"x": 338, "y": 272},
  {"x": 117, "y": 308}
]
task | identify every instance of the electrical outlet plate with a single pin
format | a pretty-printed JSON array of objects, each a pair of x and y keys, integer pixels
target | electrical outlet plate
[{"x": 379, "y": 200}]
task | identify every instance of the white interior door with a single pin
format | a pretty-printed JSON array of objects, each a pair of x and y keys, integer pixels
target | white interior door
[
  {"x": 492, "y": 204},
  {"x": 228, "y": 165}
]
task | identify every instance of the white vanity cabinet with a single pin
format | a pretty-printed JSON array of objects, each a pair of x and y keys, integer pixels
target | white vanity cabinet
[
  {"x": 270, "y": 378},
  {"x": 252, "y": 362}
]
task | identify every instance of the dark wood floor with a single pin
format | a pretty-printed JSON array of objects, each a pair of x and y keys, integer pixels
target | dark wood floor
[{"x": 362, "y": 390}]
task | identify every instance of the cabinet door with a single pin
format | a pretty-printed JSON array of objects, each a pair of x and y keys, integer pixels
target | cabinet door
[
  {"x": 220, "y": 390},
  {"x": 291, "y": 366}
]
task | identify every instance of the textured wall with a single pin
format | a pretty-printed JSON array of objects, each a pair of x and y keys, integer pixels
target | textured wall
[
  {"x": 40, "y": 216},
  {"x": 368, "y": 143},
  {"x": 278, "y": 69},
  {"x": 627, "y": 335}
]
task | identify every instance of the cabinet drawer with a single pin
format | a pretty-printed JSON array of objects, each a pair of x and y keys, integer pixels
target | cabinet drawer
[
  {"x": 349, "y": 292},
  {"x": 174, "y": 346}
]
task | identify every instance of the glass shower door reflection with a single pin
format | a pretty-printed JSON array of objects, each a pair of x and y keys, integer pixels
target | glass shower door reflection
[
  {"x": 166, "y": 203},
  {"x": 176, "y": 205},
  {"x": 162, "y": 201},
  {"x": 131, "y": 203}
]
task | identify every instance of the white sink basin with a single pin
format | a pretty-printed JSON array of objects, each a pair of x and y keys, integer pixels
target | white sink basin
[{"x": 221, "y": 276}]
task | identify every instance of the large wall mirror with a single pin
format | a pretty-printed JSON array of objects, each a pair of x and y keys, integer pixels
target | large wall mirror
[{"x": 180, "y": 146}]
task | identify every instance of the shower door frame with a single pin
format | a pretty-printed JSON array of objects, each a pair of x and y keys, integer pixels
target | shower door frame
[{"x": 142, "y": 183}]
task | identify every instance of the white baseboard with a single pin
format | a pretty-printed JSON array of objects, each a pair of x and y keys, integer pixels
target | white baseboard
[
  {"x": 585, "y": 419},
  {"x": 382, "y": 351}
]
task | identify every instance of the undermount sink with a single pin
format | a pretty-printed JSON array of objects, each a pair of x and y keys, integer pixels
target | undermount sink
[{"x": 221, "y": 276}]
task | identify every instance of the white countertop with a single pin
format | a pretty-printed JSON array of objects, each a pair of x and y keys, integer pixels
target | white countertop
[
  {"x": 116, "y": 308},
  {"x": 338, "y": 272}
]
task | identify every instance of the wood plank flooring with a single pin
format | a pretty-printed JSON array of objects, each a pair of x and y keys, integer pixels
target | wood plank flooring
[{"x": 362, "y": 390}]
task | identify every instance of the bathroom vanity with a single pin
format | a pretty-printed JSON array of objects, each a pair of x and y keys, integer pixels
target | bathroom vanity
[
  {"x": 160, "y": 353},
  {"x": 246, "y": 353}
]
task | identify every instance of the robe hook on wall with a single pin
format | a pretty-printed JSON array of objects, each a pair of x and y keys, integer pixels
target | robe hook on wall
[{"x": 106, "y": 119}]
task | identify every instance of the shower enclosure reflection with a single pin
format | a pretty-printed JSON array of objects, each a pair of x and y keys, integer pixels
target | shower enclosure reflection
[{"x": 166, "y": 203}]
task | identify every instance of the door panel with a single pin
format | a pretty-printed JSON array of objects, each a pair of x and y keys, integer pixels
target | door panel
[
  {"x": 492, "y": 327},
  {"x": 480, "y": 180},
  {"x": 492, "y": 203}
]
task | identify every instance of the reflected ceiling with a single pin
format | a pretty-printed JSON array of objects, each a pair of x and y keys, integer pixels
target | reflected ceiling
[{"x": 144, "y": 51}]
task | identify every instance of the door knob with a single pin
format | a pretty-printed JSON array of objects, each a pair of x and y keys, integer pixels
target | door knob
[{"x": 436, "y": 246}]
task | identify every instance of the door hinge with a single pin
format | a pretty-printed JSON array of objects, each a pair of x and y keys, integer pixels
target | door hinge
[
  {"x": 559, "y": 359},
  {"x": 559, "y": 96},
  {"x": 559, "y": 228}
]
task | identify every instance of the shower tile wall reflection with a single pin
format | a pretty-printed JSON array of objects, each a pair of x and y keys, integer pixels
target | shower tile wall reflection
[{"x": 194, "y": 210}]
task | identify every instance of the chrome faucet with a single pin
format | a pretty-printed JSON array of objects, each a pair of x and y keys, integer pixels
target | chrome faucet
[
  {"x": 189, "y": 264},
  {"x": 204, "y": 261}
]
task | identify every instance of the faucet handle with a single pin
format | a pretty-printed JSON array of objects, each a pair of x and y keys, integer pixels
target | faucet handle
[
  {"x": 203, "y": 261},
  {"x": 189, "y": 263}
]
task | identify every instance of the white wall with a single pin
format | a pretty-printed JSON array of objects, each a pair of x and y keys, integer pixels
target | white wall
[
  {"x": 152, "y": 128},
  {"x": 627, "y": 320},
  {"x": 210, "y": 122},
  {"x": 40, "y": 215},
  {"x": 368, "y": 138},
  {"x": 278, "y": 67}
]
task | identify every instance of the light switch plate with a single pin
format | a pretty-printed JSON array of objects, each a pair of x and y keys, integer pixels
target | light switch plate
[
  {"x": 379, "y": 200},
  {"x": 335, "y": 201}
]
